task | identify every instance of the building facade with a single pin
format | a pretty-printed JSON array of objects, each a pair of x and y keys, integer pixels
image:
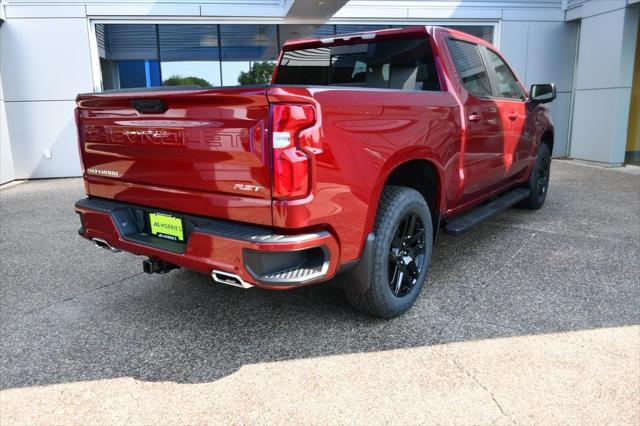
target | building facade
[{"x": 52, "y": 50}]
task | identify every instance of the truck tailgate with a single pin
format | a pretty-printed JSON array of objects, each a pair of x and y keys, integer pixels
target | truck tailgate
[{"x": 196, "y": 151}]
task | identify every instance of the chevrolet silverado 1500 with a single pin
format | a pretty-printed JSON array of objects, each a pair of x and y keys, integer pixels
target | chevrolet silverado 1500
[{"x": 347, "y": 165}]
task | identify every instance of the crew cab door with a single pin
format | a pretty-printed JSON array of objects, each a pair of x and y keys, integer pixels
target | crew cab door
[
  {"x": 509, "y": 97},
  {"x": 485, "y": 127}
]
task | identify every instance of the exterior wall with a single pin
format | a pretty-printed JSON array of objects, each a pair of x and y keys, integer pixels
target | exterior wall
[
  {"x": 544, "y": 52},
  {"x": 603, "y": 80},
  {"x": 45, "y": 60},
  {"x": 632, "y": 154},
  {"x": 7, "y": 173},
  {"x": 41, "y": 75}
]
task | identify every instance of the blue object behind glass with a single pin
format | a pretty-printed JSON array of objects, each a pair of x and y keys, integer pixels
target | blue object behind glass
[{"x": 139, "y": 74}]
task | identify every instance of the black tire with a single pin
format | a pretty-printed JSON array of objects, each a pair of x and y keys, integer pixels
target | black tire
[
  {"x": 538, "y": 183},
  {"x": 397, "y": 251}
]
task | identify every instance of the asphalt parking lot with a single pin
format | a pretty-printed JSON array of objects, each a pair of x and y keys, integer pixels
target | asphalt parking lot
[{"x": 533, "y": 317}]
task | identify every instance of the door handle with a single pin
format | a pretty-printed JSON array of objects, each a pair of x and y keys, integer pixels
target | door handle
[
  {"x": 475, "y": 117},
  {"x": 512, "y": 116}
]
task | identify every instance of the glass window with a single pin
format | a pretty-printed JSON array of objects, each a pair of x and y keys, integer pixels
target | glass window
[
  {"x": 395, "y": 64},
  {"x": 189, "y": 55},
  {"x": 305, "y": 66},
  {"x": 128, "y": 55},
  {"x": 249, "y": 53},
  {"x": 470, "y": 67},
  {"x": 508, "y": 86},
  {"x": 210, "y": 55},
  {"x": 147, "y": 55},
  {"x": 348, "y": 28}
]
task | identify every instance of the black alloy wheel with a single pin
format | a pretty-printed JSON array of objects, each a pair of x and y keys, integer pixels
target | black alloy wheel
[
  {"x": 401, "y": 253},
  {"x": 406, "y": 255},
  {"x": 538, "y": 183},
  {"x": 543, "y": 175}
]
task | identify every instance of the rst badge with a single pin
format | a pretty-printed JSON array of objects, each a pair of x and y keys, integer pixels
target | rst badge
[{"x": 247, "y": 187}]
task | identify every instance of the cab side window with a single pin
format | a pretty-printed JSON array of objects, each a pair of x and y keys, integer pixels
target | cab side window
[
  {"x": 470, "y": 67},
  {"x": 508, "y": 86}
]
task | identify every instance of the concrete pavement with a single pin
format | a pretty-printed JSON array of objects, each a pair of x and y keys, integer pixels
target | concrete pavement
[{"x": 532, "y": 317}]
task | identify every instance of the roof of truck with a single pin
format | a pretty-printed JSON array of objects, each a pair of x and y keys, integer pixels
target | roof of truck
[{"x": 390, "y": 33}]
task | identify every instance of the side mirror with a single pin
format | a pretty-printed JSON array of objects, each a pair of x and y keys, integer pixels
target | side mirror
[{"x": 542, "y": 93}]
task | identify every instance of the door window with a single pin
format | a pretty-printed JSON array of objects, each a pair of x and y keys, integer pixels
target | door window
[
  {"x": 507, "y": 86},
  {"x": 470, "y": 67}
]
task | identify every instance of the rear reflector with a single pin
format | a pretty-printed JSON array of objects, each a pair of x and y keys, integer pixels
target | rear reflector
[{"x": 290, "y": 163}]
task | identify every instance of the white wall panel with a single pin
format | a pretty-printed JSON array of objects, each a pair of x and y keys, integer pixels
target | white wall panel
[
  {"x": 143, "y": 10},
  {"x": 240, "y": 3},
  {"x": 533, "y": 15},
  {"x": 551, "y": 52},
  {"x": 544, "y": 52},
  {"x": 560, "y": 110},
  {"x": 620, "y": 124},
  {"x": 45, "y": 59},
  {"x": 7, "y": 172},
  {"x": 38, "y": 126},
  {"x": 594, "y": 7},
  {"x": 513, "y": 45},
  {"x": 44, "y": 11},
  {"x": 454, "y": 13},
  {"x": 593, "y": 128},
  {"x": 257, "y": 11},
  {"x": 599, "y": 56},
  {"x": 603, "y": 86},
  {"x": 357, "y": 12}
]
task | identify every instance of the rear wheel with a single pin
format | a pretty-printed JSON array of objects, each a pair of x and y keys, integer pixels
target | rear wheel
[
  {"x": 403, "y": 242},
  {"x": 538, "y": 183}
]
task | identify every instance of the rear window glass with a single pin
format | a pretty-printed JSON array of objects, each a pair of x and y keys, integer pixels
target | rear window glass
[
  {"x": 392, "y": 64},
  {"x": 470, "y": 67}
]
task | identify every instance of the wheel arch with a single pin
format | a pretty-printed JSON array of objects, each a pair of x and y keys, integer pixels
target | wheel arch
[
  {"x": 421, "y": 173},
  {"x": 547, "y": 138}
]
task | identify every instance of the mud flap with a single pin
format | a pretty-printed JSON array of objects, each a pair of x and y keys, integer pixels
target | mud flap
[{"x": 357, "y": 278}]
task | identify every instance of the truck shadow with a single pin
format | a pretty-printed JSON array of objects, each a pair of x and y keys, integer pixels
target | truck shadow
[{"x": 498, "y": 280}]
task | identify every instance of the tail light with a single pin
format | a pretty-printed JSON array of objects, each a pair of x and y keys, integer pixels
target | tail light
[
  {"x": 291, "y": 176},
  {"x": 76, "y": 114}
]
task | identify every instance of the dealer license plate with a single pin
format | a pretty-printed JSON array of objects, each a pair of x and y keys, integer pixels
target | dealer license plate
[{"x": 166, "y": 226}]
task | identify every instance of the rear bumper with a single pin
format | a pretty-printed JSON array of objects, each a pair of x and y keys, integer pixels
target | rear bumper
[{"x": 255, "y": 254}]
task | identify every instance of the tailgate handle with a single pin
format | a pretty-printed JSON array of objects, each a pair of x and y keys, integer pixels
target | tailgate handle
[{"x": 149, "y": 106}]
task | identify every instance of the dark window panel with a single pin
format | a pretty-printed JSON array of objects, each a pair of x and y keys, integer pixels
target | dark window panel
[
  {"x": 395, "y": 64},
  {"x": 131, "y": 42},
  {"x": 188, "y": 42},
  {"x": 470, "y": 67}
]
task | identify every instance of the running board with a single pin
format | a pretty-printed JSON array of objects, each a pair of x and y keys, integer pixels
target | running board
[{"x": 462, "y": 223}]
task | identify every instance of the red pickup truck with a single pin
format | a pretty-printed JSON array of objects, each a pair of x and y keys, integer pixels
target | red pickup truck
[{"x": 347, "y": 165}]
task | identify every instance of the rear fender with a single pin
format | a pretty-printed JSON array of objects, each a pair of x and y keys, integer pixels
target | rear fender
[{"x": 396, "y": 160}]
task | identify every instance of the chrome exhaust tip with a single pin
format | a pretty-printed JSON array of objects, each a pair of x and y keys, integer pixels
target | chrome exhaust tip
[
  {"x": 229, "y": 279},
  {"x": 100, "y": 243}
]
